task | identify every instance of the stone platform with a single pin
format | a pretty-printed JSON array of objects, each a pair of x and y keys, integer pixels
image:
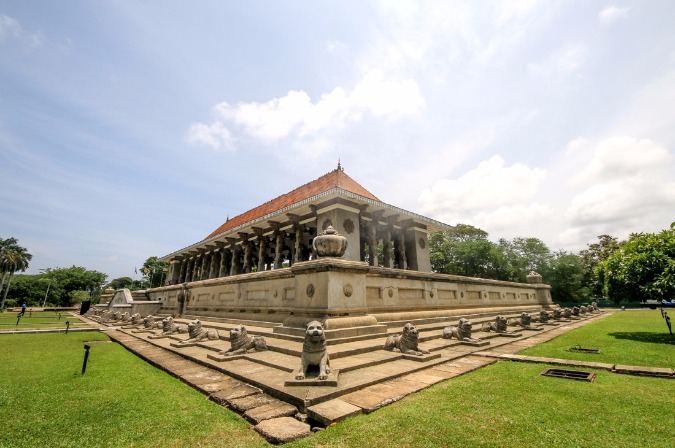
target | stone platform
[{"x": 256, "y": 384}]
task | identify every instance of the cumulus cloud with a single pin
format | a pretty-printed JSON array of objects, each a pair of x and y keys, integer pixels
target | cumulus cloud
[
  {"x": 611, "y": 14},
  {"x": 624, "y": 183},
  {"x": 296, "y": 115},
  {"x": 491, "y": 184}
]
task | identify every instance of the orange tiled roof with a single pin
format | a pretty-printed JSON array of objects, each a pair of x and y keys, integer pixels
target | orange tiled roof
[{"x": 335, "y": 179}]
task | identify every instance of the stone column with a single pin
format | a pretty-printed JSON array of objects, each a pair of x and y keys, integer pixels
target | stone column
[
  {"x": 372, "y": 243},
  {"x": 386, "y": 241},
  {"x": 262, "y": 252},
  {"x": 215, "y": 263},
  {"x": 188, "y": 270},
  {"x": 279, "y": 237},
  {"x": 234, "y": 249},
  {"x": 223, "y": 269},
  {"x": 183, "y": 270},
  {"x": 204, "y": 269},
  {"x": 401, "y": 259}
]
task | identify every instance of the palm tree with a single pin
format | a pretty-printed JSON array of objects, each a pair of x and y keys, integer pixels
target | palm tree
[{"x": 13, "y": 258}]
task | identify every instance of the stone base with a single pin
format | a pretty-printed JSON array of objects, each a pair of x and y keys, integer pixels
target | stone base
[
  {"x": 338, "y": 333},
  {"x": 510, "y": 334},
  {"x": 533, "y": 328},
  {"x": 158, "y": 336},
  {"x": 475, "y": 343},
  {"x": 312, "y": 380},
  {"x": 183, "y": 344},
  {"x": 424, "y": 358},
  {"x": 223, "y": 358}
]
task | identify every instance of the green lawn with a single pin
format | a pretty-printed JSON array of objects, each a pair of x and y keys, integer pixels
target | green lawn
[
  {"x": 638, "y": 338},
  {"x": 510, "y": 405},
  {"x": 122, "y": 401},
  {"x": 38, "y": 320}
]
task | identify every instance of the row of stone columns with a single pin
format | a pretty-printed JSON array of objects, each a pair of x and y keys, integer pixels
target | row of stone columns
[
  {"x": 231, "y": 258},
  {"x": 393, "y": 240}
]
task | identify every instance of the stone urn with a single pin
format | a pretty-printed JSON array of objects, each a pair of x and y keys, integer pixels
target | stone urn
[
  {"x": 329, "y": 244},
  {"x": 533, "y": 277}
]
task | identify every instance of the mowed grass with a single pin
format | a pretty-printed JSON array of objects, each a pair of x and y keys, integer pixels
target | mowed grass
[
  {"x": 121, "y": 401},
  {"x": 510, "y": 405},
  {"x": 39, "y": 320},
  {"x": 637, "y": 338}
]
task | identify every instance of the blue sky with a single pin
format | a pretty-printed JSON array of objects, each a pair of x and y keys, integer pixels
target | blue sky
[{"x": 130, "y": 129}]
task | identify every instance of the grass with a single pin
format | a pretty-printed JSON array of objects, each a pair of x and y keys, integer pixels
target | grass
[
  {"x": 38, "y": 320},
  {"x": 120, "y": 401},
  {"x": 636, "y": 338},
  {"x": 510, "y": 404}
]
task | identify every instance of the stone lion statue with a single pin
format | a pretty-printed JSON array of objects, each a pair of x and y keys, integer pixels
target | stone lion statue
[
  {"x": 136, "y": 319},
  {"x": 197, "y": 334},
  {"x": 314, "y": 352},
  {"x": 583, "y": 309},
  {"x": 149, "y": 322},
  {"x": 498, "y": 326},
  {"x": 557, "y": 314},
  {"x": 241, "y": 342},
  {"x": 575, "y": 311},
  {"x": 525, "y": 320},
  {"x": 117, "y": 315},
  {"x": 544, "y": 316},
  {"x": 406, "y": 343},
  {"x": 170, "y": 327},
  {"x": 567, "y": 313},
  {"x": 462, "y": 332}
]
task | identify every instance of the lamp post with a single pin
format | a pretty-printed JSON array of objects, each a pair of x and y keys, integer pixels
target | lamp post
[{"x": 44, "y": 302}]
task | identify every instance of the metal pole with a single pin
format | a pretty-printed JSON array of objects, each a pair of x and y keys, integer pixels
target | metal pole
[
  {"x": 86, "y": 356},
  {"x": 47, "y": 293}
]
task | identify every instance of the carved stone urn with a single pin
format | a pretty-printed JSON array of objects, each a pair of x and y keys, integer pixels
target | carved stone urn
[
  {"x": 533, "y": 277},
  {"x": 329, "y": 244}
]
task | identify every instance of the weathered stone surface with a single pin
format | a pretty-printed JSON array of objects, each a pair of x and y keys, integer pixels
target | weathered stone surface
[
  {"x": 332, "y": 411},
  {"x": 271, "y": 410},
  {"x": 224, "y": 397},
  {"x": 282, "y": 429},
  {"x": 251, "y": 401}
]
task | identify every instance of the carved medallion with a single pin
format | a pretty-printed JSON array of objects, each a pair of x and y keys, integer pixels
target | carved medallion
[
  {"x": 348, "y": 290},
  {"x": 422, "y": 243},
  {"x": 348, "y": 225},
  {"x": 391, "y": 292},
  {"x": 310, "y": 290}
]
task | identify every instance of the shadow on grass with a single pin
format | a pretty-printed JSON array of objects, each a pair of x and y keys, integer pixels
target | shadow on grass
[{"x": 643, "y": 336}]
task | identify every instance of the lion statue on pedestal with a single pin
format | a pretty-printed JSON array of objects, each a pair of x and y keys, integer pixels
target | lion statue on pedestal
[
  {"x": 241, "y": 342},
  {"x": 198, "y": 334},
  {"x": 314, "y": 352},
  {"x": 462, "y": 332},
  {"x": 170, "y": 327},
  {"x": 406, "y": 343},
  {"x": 498, "y": 326},
  {"x": 149, "y": 322}
]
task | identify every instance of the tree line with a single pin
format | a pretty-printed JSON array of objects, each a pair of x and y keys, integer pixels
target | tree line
[{"x": 640, "y": 268}]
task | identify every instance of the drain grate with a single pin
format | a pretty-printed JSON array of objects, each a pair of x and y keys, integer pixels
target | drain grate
[
  {"x": 569, "y": 374},
  {"x": 578, "y": 348}
]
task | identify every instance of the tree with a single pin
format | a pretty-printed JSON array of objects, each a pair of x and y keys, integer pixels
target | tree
[
  {"x": 154, "y": 272},
  {"x": 524, "y": 255},
  {"x": 592, "y": 257},
  {"x": 465, "y": 250},
  {"x": 565, "y": 277},
  {"x": 642, "y": 268},
  {"x": 65, "y": 281},
  {"x": 13, "y": 258},
  {"x": 121, "y": 282}
]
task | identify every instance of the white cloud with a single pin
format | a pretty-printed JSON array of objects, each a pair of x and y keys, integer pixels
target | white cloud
[
  {"x": 510, "y": 221},
  {"x": 10, "y": 28},
  {"x": 296, "y": 115},
  {"x": 621, "y": 157},
  {"x": 565, "y": 61},
  {"x": 490, "y": 184},
  {"x": 611, "y": 14}
]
